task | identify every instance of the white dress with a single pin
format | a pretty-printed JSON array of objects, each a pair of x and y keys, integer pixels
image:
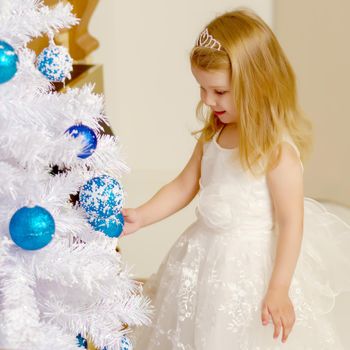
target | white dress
[{"x": 208, "y": 290}]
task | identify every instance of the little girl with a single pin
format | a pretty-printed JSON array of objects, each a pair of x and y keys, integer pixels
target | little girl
[{"x": 258, "y": 252}]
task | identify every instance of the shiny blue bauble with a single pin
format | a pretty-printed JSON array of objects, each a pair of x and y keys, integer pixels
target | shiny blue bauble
[
  {"x": 55, "y": 63},
  {"x": 111, "y": 227},
  {"x": 101, "y": 197},
  {"x": 81, "y": 341},
  {"x": 125, "y": 343},
  {"x": 89, "y": 137},
  {"x": 32, "y": 228},
  {"x": 8, "y": 62}
]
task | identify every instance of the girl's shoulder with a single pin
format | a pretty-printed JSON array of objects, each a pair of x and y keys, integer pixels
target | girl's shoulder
[
  {"x": 284, "y": 152},
  {"x": 286, "y": 138}
]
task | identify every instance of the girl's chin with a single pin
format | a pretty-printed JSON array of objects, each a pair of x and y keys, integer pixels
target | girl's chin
[{"x": 226, "y": 119}]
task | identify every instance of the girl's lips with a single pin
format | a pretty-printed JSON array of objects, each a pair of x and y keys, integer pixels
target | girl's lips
[{"x": 219, "y": 113}]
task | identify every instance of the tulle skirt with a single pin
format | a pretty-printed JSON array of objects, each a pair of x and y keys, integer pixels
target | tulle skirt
[{"x": 208, "y": 290}]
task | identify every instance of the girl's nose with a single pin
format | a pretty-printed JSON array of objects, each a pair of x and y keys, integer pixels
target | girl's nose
[{"x": 209, "y": 100}]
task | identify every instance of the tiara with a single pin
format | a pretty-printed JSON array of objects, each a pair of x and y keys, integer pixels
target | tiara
[{"x": 207, "y": 40}]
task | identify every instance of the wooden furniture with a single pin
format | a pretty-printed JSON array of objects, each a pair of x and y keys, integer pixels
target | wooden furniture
[{"x": 81, "y": 44}]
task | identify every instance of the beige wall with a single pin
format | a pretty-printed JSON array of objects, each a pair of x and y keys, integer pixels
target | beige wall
[
  {"x": 151, "y": 98},
  {"x": 315, "y": 35}
]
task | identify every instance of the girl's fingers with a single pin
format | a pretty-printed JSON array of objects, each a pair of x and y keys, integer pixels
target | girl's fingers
[
  {"x": 127, "y": 215},
  {"x": 126, "y": 227},
  {"x": 285, "y": 333},
  {"x": 287, "y": 327},
  {"x": 277, "y": 323},
  {"x": 123, "y": 234},
  {"x": 265, "y": 316}
]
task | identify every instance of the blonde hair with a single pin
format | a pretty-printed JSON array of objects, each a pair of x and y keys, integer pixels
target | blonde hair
[{"x": 263, "y": 87}]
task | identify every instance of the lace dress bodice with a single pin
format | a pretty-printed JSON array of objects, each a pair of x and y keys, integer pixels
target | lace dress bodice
[{"x": 231, "y": 198}]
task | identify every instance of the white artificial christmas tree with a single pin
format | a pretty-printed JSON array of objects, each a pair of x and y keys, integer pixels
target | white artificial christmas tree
[{"x": 60, "y": 277}]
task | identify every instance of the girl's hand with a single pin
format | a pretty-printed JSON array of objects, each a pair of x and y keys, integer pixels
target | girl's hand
[
  {"x": 132, "y": 221},
  {"x": 278, "y": 304}
]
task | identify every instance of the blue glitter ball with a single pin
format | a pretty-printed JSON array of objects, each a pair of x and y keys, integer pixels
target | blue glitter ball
[
  {"x": 101, "y": 197},
  {"x": 8, "y": 62},
  {"x": 55, "y": 63},
  {"x": 82, "y": 342},
  {"x": 111, "y": 227},
  {"x": 125, "y": 343},
  {"x": 32, "y": 228},
  {"x": 89, "y": 137}
]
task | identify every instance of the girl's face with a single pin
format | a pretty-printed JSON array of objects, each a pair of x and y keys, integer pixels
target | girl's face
[{"x": 216, "y": 93}]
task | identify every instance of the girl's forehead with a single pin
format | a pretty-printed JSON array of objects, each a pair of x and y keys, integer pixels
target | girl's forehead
[{"x": 214, "y": 78}]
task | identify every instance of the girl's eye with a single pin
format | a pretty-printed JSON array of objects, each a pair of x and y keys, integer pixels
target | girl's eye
[{"x": 220, "y": 92}]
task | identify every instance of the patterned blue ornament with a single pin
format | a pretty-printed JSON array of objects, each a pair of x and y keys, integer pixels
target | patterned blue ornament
[
  {"x": 32, "y": 228},
  {"x": 55, "y": 63},
  {"x": 8, "y": 62},
  {"x": 82, "y": 342},
  {"x": 111, "y": 227},
  {"x": 125, "y": 343},
  {"x": 89, "y": 137},
  {"x": 101, "y": 197}
]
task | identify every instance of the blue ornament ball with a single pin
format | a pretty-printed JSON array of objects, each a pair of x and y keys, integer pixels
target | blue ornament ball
[
  {"x": 101, "y": 197},
  {"x": 55, "y": 63},
  {"x": 89, "y": 137},
  {"x": 32, "y": 228},
  {"x": 125, "y": 343},
  {"x": 8, "y": 62},
  {"x": 111, "y": 227},
  {"x": 82, "y": 342}
]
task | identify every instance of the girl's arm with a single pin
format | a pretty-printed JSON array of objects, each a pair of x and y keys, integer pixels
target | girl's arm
[
  {"x": 286, "y": 188},
  {"x": 170, "y": 198},
  {"x": 285, "y": 183}
]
